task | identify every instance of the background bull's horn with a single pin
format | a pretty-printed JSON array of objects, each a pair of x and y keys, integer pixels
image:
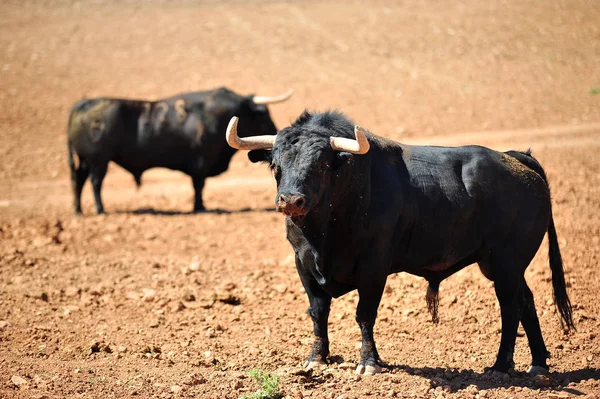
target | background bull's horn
[
  {"x": 272, "y": 100},
  {"x": 359, "y": 146},
  {"x": 247, "y": 143}
]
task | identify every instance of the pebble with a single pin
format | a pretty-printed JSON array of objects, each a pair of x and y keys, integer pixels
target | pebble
[
  {"x": 149, "y": 295},
  {"x": 194, "y": 266},
  {"x": 176, "y": 389},
  {"x": 4, "y": 324},
  {"x": 122, "y": 348},
  {"x": 18, "y": 381}
]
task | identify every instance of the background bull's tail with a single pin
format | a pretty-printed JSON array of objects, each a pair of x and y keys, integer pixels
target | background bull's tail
[{"x": 559, "y": 285}]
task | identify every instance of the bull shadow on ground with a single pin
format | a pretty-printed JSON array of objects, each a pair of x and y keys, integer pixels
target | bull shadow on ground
[
  {"x": 215, "y": 211},
  {"x": 458, "y": 380}
]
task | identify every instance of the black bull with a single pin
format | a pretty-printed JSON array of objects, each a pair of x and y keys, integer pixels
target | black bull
[
  {"x": 355, "y": 216},
  {"x": 183, "y": 132}
]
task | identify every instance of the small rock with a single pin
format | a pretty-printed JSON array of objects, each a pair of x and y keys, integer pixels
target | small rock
[
  {"x": 94, "y": 347},
  {"x": 194, "y": 266},
  {"x": 176, "y": 389},
  {"x": 196, "y": 379},
  {"x": 72, "y": 291},
  {"x": 189, "y": 297},
  {"x": 343, "y": 396},
  {"x": 176, "y": 306},
  {"x": 18, "y": 381},
  {"x": 4, "y": 324},
  {"x": 44, "y": 297},
  {"x": 96, "y": 291},
  {"x": 122, "y": 348},
  {"x": 281, "y": 288},
  {"x": 347, "y": 366},
  {"x": 149, "y": 295},
  {"x": 155, "y": 323}
]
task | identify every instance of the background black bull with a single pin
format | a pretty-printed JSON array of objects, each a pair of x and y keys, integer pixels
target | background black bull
[
  {"x": 183, "y": 132},
  {"x": 359, "y": 210}
]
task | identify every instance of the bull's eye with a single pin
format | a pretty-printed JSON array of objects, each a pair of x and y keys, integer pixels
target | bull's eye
[{"x": 276, "y": 171}]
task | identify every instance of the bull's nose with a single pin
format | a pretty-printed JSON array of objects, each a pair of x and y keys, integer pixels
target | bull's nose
[{"x": 291, "y": 204}]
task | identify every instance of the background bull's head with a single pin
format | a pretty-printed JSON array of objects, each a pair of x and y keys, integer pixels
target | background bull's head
[
  {"x": 306, "y": 158},
  {"x": 252, "y": 110}
]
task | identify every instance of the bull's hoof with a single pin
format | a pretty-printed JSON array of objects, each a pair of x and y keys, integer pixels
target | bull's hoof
[
  {"x": 537, "y": 370},
  {"x": 369, "y": 369},
  {"x": 312, "y": 364},
  {"x": 495, "y": 374}
]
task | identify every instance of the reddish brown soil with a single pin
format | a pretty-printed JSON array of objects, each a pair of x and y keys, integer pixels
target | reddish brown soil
[{"x": 517, "y": 73}]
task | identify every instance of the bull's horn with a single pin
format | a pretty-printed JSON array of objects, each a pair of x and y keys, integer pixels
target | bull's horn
[
  {"x": 272, "y": 100},
  {"x": 359, "y": 146},
  {"x": 247, "y": 143}
]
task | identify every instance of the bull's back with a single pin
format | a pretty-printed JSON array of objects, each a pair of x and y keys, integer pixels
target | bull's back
[{"x": 464, "y": 197}]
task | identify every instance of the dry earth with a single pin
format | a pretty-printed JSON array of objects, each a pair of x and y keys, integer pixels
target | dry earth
[{"x": 153, "y": 301}]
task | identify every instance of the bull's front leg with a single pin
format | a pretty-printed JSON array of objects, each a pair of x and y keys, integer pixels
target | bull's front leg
[
  {"x": 198, "y": 182},
  {"x": 371, "y": 279},
  {"x": 320, "y": 304}
]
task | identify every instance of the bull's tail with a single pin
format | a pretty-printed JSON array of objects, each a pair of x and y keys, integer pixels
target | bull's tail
[
  {"x": 433, "y": 300},
  {"x": 559, "y": 285},
  {"x": 561, "y": 298}
]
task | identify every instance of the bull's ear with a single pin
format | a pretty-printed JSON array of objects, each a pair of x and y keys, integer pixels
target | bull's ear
[
  {"x": 260, "y": 156},
  {"x": 341, "y": 158}
]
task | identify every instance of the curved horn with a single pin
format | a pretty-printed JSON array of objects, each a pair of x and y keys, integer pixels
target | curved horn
[
  {"x": 248, "y": 143},
  {"x": 359, "y": 146},
  {"x": 272, "y": 100}
]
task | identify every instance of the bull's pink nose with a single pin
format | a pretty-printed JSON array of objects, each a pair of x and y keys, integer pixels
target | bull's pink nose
[{"x": 291, "y": 204}]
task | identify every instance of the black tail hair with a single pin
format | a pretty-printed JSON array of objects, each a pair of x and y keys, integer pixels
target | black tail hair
[
  {"x": 561, "y": 298},
  {"x": 433, "y": 300},
  {"x": 559, "y": 285}
]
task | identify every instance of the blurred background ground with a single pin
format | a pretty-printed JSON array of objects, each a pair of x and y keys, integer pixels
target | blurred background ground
[{"x": 506, "y": 74}]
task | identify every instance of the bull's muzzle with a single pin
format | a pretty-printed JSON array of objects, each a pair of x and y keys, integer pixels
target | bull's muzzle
[{"x": 291, "y": 205}]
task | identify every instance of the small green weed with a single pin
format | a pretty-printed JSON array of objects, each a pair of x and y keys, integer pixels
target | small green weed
[
  {"x": 594, "y": 91},
  {"x": 269, "y": 386}
]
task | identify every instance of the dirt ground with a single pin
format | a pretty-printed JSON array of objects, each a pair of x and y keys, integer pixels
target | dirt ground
[{"x": 153, "y": 301}]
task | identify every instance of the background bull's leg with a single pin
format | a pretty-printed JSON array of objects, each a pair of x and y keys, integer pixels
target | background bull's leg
[
  {"x": 97, "y": 173},
  {"x": 532, "y": 328},
  {"x": 508, "y": 292},
  {"x": 366, "y": 313},
  {"x": 320, "y": 304},
  {"x": 198, "y": 182},
  {"x": 78, "y": 178}
]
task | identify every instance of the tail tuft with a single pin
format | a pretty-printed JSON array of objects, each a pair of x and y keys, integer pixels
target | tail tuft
[{"x": 433, "y": 300}]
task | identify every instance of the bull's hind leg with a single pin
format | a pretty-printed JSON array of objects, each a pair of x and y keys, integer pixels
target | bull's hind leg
[
  {"x": 531, "y": 324},
  {"x": 507, "y": 284},
  {"x": 78, "y": 178},
  {"x": 320, "y": 304},
  {"x": 97, "y": 175}
]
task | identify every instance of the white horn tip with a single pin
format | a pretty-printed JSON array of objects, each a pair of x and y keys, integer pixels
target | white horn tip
[{"x": 231, "y": 134}]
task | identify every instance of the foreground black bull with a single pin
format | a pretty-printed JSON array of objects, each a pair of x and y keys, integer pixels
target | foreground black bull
[
  {"x": 361, "y": 209},
  {"x": 184, "y": 133}
]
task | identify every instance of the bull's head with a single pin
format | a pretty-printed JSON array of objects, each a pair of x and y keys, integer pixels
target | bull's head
[{"x": 303, "y": 160}]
